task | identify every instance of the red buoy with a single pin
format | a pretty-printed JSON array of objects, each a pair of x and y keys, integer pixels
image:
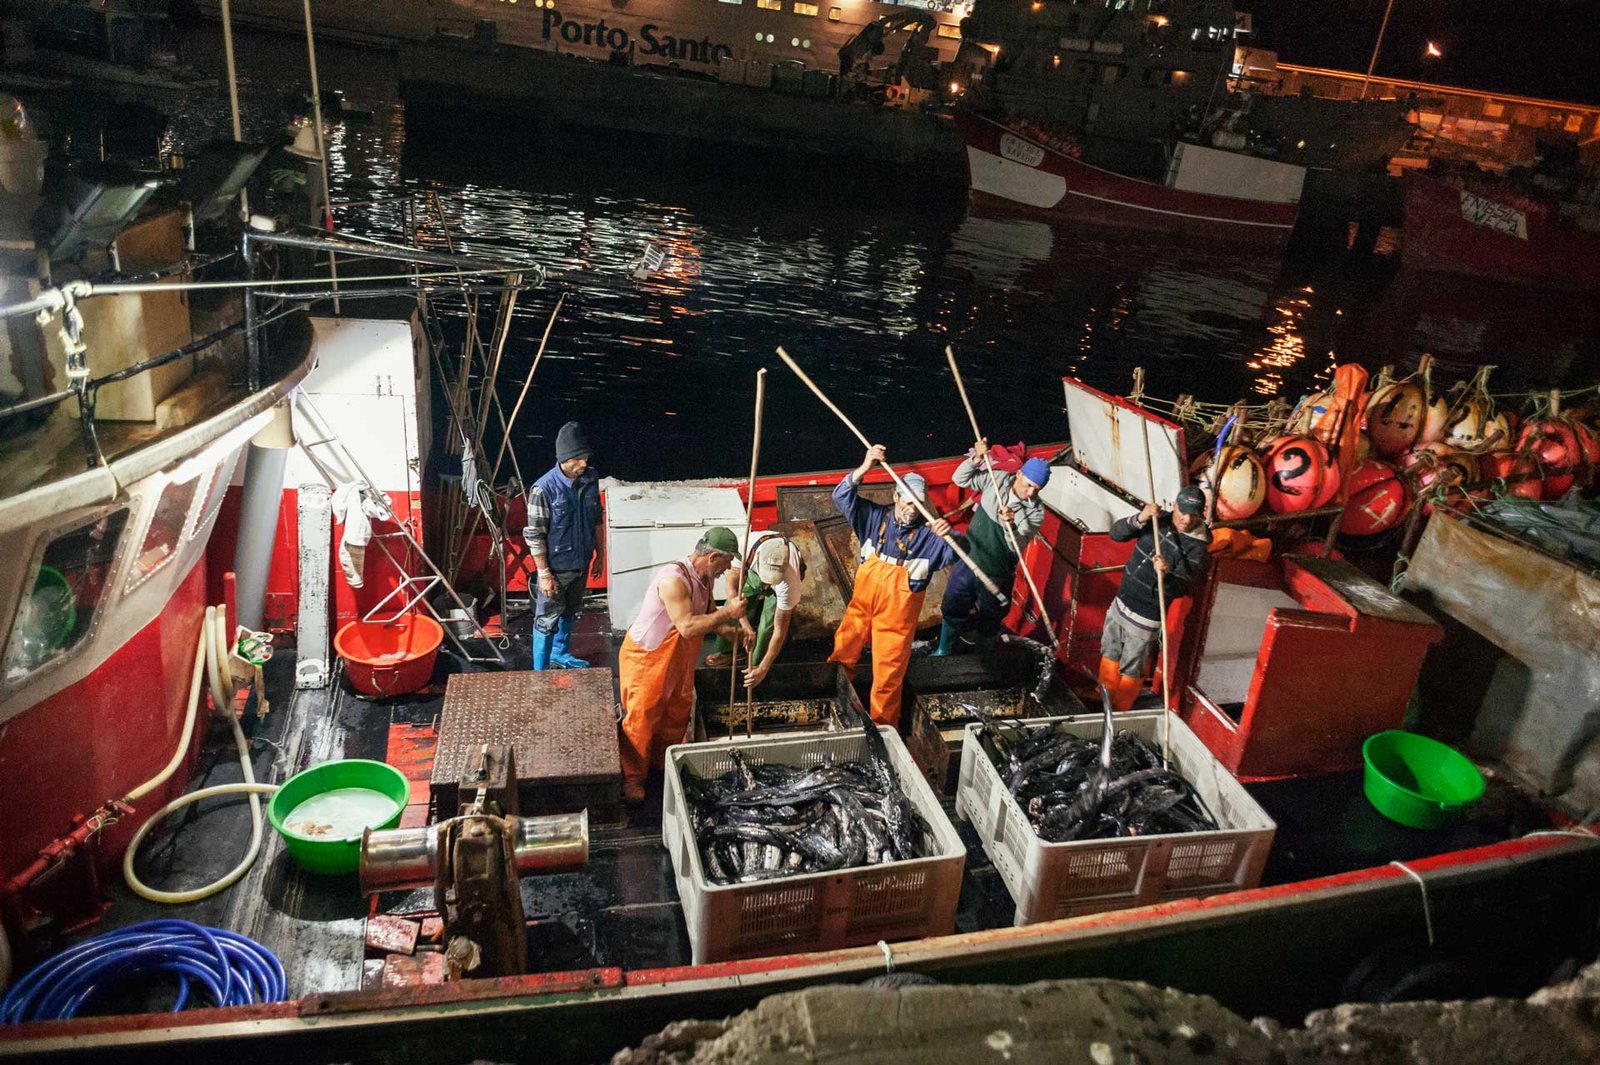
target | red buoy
[
  {"x": 1518, "y": 470},
  {"x": 1296, "y": 467},
  {"x": 1377, "y": 500},
  {"x": 1554, "y": 446}
]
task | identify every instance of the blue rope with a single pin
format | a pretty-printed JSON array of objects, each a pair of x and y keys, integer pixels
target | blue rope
[{"x": 229, "y": 969}]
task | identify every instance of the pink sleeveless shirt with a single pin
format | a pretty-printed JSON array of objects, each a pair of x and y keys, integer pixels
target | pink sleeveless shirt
[{"x": 653, "y": 622}]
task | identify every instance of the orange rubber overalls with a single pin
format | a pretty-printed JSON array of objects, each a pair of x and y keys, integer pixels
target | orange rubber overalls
[
  {"x": 658, "y": 685},
  {"x": 885, "y": 609}
]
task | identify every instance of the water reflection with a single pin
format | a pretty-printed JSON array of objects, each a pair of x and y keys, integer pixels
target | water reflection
[{"x": 863, "y": 280}]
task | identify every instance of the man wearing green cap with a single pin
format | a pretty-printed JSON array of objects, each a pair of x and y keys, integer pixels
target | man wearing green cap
[{"x": 655, "y": 665}]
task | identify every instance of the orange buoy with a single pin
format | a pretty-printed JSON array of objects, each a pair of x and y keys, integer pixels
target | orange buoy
[
  {"x": 1438, "y": 465},
  {"x": 1435, "y": 419},
  {"x": 1332, "y": 477},
  {"x": 1238, "y": 482},
  {"x": 1588, "y": 445},
  {"x": 1296, "y": 467},
  {"x": 1377, "y": 500},
  {"x": 1395, "y": 416}
]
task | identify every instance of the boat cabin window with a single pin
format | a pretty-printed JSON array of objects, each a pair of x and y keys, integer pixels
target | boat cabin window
[
  {"x": 770, "y": 5},
  {"x": 66, "y": 586},
  {"x": 167, "y": 524},
  {"x": 835, "y": 14},
  {"x": 949, "y": 29},
  {"x": 806, "y": 9},
  {"x": 221, "y": 477}
]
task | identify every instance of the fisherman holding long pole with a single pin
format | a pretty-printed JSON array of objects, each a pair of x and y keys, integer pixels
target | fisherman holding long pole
[
  {"x": 1135, "y": 621},
  {"x": 1007, "y": 500}
]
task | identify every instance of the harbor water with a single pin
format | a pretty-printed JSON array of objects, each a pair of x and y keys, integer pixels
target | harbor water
[{"x": 864, "y": 281}]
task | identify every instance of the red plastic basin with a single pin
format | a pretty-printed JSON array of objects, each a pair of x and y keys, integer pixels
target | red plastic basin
[{"x": 389, "y": 657}]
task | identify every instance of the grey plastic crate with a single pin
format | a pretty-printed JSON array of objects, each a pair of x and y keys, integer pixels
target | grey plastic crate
[
  {"x": 812, "y": 911},
  {"x": 1054, "y": 880}
]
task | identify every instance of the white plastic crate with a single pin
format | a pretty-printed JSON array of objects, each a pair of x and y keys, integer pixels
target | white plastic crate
[
  {"x": 1054, "y": 880},
  {"x": 810, "y": 911}
]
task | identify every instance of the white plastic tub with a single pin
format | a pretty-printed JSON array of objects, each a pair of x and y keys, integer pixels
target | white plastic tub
[
  {"x": 1055, "y": 880},
  {"x": 811, "y": 911}
]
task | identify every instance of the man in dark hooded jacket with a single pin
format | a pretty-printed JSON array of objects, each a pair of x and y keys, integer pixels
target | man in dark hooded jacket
[{"x": 1133, "y": 622}]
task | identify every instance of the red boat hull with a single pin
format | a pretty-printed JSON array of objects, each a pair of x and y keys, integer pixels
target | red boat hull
[
  {"x": 1009, "y": 168},
  {"x": 1488, "y": 232}
]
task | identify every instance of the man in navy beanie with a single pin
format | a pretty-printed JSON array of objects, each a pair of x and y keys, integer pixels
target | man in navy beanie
[{"x": 563, "y": 536}]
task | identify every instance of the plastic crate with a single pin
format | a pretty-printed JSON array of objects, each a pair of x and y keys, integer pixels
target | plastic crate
[
  {"x": 810, "y": 911},
  {"x": 1054, "y": 880}
]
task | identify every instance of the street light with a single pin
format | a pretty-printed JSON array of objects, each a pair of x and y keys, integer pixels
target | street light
[{"x": 1432, "y": 51}]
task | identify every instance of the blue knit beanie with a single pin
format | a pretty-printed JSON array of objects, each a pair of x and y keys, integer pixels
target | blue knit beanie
[{"x": 1037, "y": 470}]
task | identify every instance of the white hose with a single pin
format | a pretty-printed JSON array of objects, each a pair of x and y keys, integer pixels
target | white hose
[{"x": 211, "y": 655}]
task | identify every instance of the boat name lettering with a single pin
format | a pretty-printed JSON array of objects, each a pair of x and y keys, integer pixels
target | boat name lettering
[
  {"x": 650, "y": 40},
  {"x": 1020, "y": 151},
  {"x": 1482, "y": 211}
]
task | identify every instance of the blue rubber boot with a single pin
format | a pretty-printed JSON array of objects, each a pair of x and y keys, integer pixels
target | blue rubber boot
[
  {"x": 947, "y": 640},
  {"x": 559, "y": 655},
  {"x": 541, "y": 648}
]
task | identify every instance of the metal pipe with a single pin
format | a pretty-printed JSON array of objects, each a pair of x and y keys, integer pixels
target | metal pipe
[
  {"x": 409, "y": 255},
  {"x": 399, "y": 859},
  {"x": 258, "y": 529},
  {"x": 322, "y": 147},
  {"x": 252, "y": 334},
  {"x": 1376, "y": 47},
  {"x": 233, "y": 96}
]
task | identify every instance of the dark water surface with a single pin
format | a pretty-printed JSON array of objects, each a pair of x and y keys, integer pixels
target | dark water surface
[{"x": 863, "y": 284}]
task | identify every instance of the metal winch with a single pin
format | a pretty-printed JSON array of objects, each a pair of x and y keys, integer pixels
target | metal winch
[{"x": 474, "y": 862}]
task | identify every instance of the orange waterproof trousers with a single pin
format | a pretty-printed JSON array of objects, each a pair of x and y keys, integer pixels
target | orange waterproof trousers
[
  {"x": 657, "y": 700},
  {"x": 884, "y": 609}
]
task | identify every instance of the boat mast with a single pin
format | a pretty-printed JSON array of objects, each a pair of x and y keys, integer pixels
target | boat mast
[
  {"x": 326, "y": 221},
  {"x": 1376, "y": 47},
  {"x": 233, "y": 96}
]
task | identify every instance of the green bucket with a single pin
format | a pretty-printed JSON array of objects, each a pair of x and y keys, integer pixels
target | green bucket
[
  {"x": 341, "y": 853},
  {"x": 1417, "y": 781}
]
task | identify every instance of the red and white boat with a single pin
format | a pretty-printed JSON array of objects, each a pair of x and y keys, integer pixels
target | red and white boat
[
  {"x": 95, "y": 703},
  {"x": 1483, "y": 228},
  {"x": 1207, "y": 193}
]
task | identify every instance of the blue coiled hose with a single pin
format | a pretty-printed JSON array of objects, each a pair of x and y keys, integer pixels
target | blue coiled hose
[{"x": 232, "y": 970}]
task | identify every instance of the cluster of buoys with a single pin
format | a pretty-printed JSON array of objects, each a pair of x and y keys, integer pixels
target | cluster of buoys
[{"x": 1415, "y": 446}]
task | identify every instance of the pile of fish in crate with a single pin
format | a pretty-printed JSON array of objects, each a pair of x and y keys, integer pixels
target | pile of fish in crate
[
  {"x": 807, "y": 842},
  {"x": 1079, "y": 814}
]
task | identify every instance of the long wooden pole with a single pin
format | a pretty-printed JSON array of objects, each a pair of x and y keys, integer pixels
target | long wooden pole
[
  {"x": 516, "y": 408},
  {"x": 994, "y": 482},
  {"x": 922, "y": 508},
  {"x": 1161, "y": 600},
  {"x": 744, "y": 561}
]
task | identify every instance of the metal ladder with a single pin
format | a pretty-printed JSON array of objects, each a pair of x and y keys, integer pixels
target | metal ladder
[{"x": 412, "y": 589}]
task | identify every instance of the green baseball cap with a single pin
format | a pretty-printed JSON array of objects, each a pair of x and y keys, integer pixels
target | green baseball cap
[{"x": 720, "y": 539}]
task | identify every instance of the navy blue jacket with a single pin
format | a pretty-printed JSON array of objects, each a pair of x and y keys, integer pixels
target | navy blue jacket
[{"x": 562, "y": 516}]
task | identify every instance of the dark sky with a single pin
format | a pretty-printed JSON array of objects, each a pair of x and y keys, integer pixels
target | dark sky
[{"x": 1547, "y": 48}]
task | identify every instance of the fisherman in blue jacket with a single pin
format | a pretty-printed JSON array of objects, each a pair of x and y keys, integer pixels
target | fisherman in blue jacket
[{"x": 563, "y": 536}]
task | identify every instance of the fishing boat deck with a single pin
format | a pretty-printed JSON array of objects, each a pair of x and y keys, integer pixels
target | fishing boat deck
[{"x": 622, "y": 910}]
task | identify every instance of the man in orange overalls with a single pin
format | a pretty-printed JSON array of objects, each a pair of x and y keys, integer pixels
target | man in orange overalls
[
  {"x": 899, "y": 555},
  {"x": 655, "y": 666}
]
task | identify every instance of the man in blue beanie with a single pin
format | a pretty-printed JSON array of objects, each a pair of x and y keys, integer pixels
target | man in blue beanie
[
  {"x": 969, "y": 606},
  {"x": 563, "y": 536}
]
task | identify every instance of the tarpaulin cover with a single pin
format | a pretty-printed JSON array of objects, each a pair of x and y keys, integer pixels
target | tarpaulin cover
[{"x": 1521, "y": 655}]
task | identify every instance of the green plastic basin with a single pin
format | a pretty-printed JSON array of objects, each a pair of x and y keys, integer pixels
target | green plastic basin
[
  {"x": 1417, "y": 781},
  {"x": 327, "y": 854}
]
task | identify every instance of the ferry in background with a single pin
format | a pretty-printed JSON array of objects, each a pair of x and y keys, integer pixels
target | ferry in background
[{"x": 695, "y": 36}]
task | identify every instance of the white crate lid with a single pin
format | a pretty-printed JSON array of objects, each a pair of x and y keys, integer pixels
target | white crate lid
[
  {"x": 1109, "y": 436},
  {"x": 649, "y": 524}
]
